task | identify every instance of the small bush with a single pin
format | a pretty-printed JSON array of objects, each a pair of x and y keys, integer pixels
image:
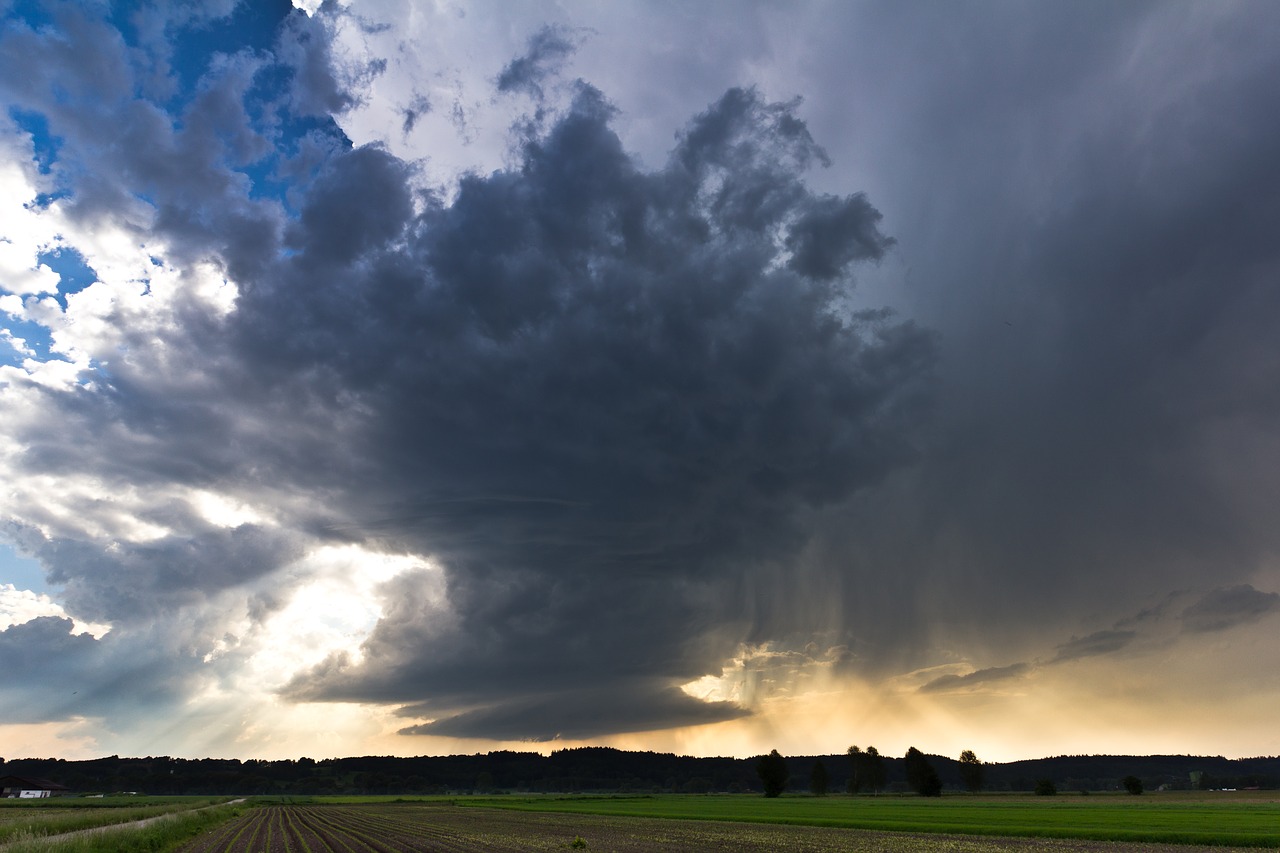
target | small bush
[{"x": 1045, "y": 788}]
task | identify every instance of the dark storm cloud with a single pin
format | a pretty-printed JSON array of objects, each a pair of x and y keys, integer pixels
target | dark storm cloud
[
  {"x": 1227, "y": 607},
  {"x": 606, "y": 400},
  {"x": 548, "y": 49},
  {"x": 358, "y": 202},
  {"x": 599, "y": 400},
  {"x": 947, "y": 683},
  {"x": 831, "y": 233},
  {"x": 1085, "y": 203}
]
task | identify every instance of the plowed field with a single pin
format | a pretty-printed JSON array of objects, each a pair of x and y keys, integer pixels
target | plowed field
[{"x": 442, "y": 827}]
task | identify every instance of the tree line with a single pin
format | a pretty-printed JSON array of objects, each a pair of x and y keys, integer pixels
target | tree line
[
  {"x": 868, "y": 773},
  {"x": 602, "y": 769}
]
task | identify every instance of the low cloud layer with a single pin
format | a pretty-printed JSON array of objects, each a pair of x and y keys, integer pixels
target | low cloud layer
[
  {"x": 1097, "y": 643},
  {"x": 579, "y": 714},
  {"x": 1160, "y": 628},
  {"x": 1227, "y": 607},
  {"x": 977, "y": 677}
]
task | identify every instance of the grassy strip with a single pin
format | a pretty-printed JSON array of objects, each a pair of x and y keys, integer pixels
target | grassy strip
[
  {"x": 122, "y": 801},
  {"x": 37, "y": 824},
  {"x": 1242, "y": 824},
  {"x": 166, "y": 833}
]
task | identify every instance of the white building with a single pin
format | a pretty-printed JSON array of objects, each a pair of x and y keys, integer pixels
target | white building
[{"x": 25, "y": 788}]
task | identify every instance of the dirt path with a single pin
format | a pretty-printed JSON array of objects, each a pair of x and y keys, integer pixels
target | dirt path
[{"x": 132, "y": 824}]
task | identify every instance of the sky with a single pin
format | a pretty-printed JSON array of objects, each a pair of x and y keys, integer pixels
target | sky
[{"x": 398, "y": 378}]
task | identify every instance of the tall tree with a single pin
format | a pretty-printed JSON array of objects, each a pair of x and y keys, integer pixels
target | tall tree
[
  {"x": 876, "y": 774},
  {"x": 971, "y": 770},
  {"x": 773, "y": 773},
  {"x": 921, "y": 776},
  {"x": 857, "y": 760},
  {"x": 818, "y": 779}
]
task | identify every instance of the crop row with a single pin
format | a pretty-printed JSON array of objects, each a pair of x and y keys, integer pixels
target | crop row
[
  {"x": 452, "y": 829},
  {"x": 328, "y": 829}
]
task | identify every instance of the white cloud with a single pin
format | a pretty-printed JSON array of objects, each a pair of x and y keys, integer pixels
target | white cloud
[
  {"x": 20, "y": 273},
  {"x": 659, "y": 69},
  {"x": 19, "y": 606},
  {"x": 224, "y": 510},
  {"x": 25, "y": 230}
]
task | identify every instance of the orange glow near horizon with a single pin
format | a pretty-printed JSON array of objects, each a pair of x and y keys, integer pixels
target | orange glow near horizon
[{"x": 1087, "y": 707}]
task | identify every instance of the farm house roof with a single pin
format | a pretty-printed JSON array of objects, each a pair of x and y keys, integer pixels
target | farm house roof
[{"x": 29, "y": 784}]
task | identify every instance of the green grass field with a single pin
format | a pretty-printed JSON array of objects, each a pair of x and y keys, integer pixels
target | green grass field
[{"x": 1213, "y": 818}]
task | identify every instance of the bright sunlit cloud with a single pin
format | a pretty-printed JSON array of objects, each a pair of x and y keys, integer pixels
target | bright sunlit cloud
[{"x": 19, "y": 606}]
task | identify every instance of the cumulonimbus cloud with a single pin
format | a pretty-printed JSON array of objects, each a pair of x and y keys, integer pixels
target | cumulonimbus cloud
[
  {"x": 603, "y": 394},
  {"x": 599, "y": 397}
]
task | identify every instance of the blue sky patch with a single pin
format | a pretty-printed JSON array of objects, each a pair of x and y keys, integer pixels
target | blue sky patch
[
  {"x": 22, "y": 572},
  {"x": 70, "y": 265},
  {"x": 46, "y": 145}
]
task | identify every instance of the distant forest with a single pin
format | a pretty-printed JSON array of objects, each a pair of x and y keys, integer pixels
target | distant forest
[{"x": 599, "y": 769}]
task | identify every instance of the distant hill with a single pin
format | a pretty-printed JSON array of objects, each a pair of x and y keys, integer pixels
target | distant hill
[{"x": 603, "y": 769}]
